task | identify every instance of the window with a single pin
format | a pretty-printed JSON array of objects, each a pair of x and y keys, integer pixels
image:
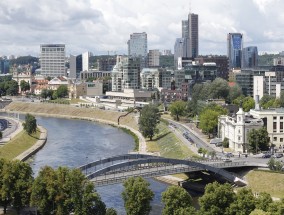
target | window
[
  {"x": 281, "y": 117},
  {"x": 281, "y": 140},
  {"x": 239, "y": 138},
  {"x": 274, "y": 138},
  {"x": 239, "y": 131},
  {"x": 281, "y": 126},
  {"x": 274, "y": 126},
  {"x": 274, "y": 118}
]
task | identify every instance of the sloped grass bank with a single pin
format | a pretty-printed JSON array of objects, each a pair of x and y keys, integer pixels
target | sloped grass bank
[{"x": 18, "y": 144}]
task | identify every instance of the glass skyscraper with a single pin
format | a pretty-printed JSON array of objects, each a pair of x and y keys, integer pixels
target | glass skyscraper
[
  {"x": 250, "y": 57},
  {"x": 234, "y": 52}
]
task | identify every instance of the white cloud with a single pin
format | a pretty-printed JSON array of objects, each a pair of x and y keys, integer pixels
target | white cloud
[{"x": 105, "y": 25}]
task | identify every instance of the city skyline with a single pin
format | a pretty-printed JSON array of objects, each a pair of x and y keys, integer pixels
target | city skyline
[{"x": 104, "y": 27}]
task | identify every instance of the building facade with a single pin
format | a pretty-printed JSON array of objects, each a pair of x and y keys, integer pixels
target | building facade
[
  {"x": 154, "y": 58},
  {"x": 193, "y": 35},
  {"x": 52, "y": 60},
  {"x": 75, "y": 66},
  {"x": 126, "y": 74},
  {"x": 249, "y": 57},
  {"x": 234, "y": 49},
  {"x": 137, "y": 45},
  {"x": 222, "y": 64},
  {"x": 236, "y": 129}
]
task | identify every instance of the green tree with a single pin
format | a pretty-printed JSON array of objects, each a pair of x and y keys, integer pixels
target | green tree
[
  {"x": 266, "y": 101},
  {"x": 30, "y": 125},
  {"x": 16, "y": 181},
  {"x": 178, "y": 109},
  {"x": 225, "y": 142},
  {"x": 234, "y": 92},
  {"x": 149, "y": 120},
  {"x": 137, "y": 196},
  {"x": 258, "y": 139},
  {"x": 25, "y": 86},
  {"x": 216, "y": 199},
  {"x": 111, "y": 211},
  {"x": 263, "y": 201},
  {"x": 259, "y": 212},
  {"x": 63, "y": 191},
  {"x": 219, "y": 88},
  {"x": 185, "y": 211},
  {"x": 175, "y": 198},
  {"x": 244, "y": 203},
  {"x": 247, "y": 102},
  {"x": 276, "y": 207},
  {"x": 11, "y": 88},
  {"x": 62, "y": 91},
  {"x": 281, "y": 100},
  {"x": 208, "y": 121},
  {"x": 44, "y": 93},
  {"x": 274, "y": 164}
]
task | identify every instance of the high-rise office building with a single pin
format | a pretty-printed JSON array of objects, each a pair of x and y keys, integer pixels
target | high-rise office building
[
  {"x": 75, "y": 66},
  {"x": 181, "y": 50},
  {"x": 193, "y": 35},
  {"x": 250, "y": 57},
  {"x": 234, "y": 49},
  {"x": 137, "y": 45},
  {"x": 52, "y": 60}
]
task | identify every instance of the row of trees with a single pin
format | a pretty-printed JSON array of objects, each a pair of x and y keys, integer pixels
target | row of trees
[
  {"x": 218, "y": 199},
  {"x": 61, "y": 92}
]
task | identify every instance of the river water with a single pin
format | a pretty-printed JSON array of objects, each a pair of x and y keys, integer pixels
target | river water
[{"x": 73, "y": 143}]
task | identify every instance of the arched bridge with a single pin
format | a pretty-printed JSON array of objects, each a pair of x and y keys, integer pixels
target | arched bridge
[{"x": 118, "y": 168}]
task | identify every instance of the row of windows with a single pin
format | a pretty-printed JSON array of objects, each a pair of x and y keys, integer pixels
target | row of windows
[{"x": 275, "y": 139}]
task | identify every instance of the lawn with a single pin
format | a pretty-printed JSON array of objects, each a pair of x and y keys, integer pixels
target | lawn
[
  {"x": 18, "y": 144},
  {"x": 168, "y": 144},
  {"x": 264, "y": 181}
]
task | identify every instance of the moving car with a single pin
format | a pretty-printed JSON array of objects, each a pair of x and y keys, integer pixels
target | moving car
[{"x": 266, "y": 155}]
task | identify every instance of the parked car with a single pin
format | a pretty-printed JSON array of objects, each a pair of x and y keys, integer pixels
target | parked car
[
  {"x": 226, "y": 160},
  {"x": 229, "y": 154},
  {"x": 278, "y": 155},
  {"x": 266, "y": 156}
]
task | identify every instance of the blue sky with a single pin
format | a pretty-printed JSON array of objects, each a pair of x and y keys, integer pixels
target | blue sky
[{"x": 103, "y": 26}]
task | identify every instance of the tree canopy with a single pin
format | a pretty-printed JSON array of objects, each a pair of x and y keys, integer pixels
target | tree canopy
[
  {"x": 137, "y": 196},
  {"x": 30, "y": 124},
  {"x": 149, "y": 120},
  {"x": 178, "y": 109},
  {"x": 176, "y": 198},
  {"x": 258, "y": 139},
  {"x": 62, "y": 91},
  {"x": 25, "y": 86}
]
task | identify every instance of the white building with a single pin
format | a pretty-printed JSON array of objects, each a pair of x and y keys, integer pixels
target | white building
[
  {"x": 85, "y": 61},
  {"x": 236, "y": 129},
  {"x": 273, "y": 120}
]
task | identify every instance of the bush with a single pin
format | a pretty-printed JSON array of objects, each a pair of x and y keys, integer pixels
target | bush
[{"x": 225, "y": 142}]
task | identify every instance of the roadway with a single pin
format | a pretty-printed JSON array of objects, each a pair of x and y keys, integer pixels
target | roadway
[{"x": 198, "y": 141}]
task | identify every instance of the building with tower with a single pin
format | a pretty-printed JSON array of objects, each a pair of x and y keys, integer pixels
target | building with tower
[
  {"x": 234, "y": 49},
  {"x": 52, "y": 60}
]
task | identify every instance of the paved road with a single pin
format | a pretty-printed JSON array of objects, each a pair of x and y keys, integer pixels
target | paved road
[{"x": 200, "y": 142}]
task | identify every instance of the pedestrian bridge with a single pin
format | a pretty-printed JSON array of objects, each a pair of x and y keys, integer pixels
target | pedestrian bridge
[{"x": 118, "y": 168}]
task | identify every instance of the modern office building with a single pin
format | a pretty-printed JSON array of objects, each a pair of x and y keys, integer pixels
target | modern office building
[
  {"x": 222, "y": 64},
  {"x": 193, "y": 35},
  {"x": 137, "y": 45},
  {"x": 181, "y": 50},
  {"x": 126, "y": 74},
  {"x": 234, "y": 49},
  {"x": 250, "y": 57},
  {"x": 4, "y": 66},
  {"x": 106, "y": 64},
  {"x": 75, "y": 66},
  {"x": 154, "y": 58},
  {"x": 190, "y": 36},
  {"x": 52, "y": 60}
]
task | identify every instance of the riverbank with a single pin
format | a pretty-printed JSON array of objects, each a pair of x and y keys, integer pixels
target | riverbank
[{"x": 91, "y": 114}]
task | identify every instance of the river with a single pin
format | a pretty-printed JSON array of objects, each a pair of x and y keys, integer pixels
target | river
[{"x": 73, "y": 143}]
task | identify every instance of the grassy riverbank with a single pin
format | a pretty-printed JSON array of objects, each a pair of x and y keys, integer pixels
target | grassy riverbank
[
  {"x": 72, "y": 112},
  {"x": 167, "y": 144},
  {"x": 265, "y": 181},
  {"x": 20, "y": 143}
]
